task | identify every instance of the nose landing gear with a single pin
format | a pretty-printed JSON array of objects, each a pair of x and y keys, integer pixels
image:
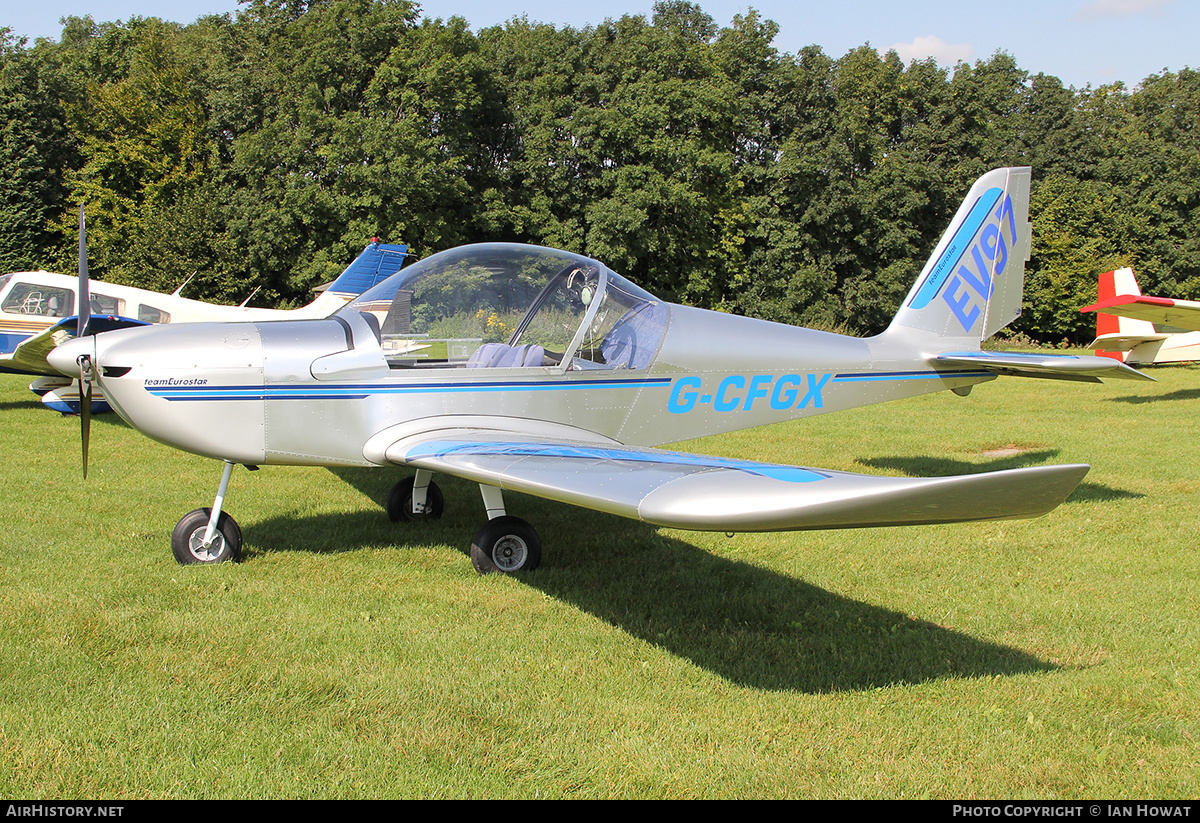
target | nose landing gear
[{"x": 208, "y": 535}]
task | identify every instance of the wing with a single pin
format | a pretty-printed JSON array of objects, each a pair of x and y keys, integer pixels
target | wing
[
  {"x": 29, "y": 356},
  {"x": 705, "y": 493},
  {"x": 1055, "y": 366},
  {"x": 1183, "y": 314}
]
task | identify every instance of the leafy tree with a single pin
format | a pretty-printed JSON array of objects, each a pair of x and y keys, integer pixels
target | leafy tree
[
  {"x": 145, "y": 150},
  {"x": 264, "y": 148},
  {"x": 35, "y": 151},
  {"x": 1160, "y": 173},
  {"x": 292, "y": 73},
  {"x": 627, "y": 141}
]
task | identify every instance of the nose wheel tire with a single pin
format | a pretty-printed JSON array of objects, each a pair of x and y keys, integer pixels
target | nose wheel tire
[
  {"x": 506, "y": 544},
  {"x": 400, "y": 502},
  {"x": 187, "y": 541}
]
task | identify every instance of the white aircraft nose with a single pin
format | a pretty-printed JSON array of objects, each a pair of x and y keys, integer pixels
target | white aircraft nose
[{"x": 65, "y": 356}]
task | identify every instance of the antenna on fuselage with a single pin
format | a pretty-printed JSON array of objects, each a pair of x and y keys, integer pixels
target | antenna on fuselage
[
  {"x": 242, "y": 305},
  {"x": 184, "y": 283}
]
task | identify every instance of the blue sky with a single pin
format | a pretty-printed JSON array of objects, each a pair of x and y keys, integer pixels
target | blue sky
[{"x": 1083, "y": 42}]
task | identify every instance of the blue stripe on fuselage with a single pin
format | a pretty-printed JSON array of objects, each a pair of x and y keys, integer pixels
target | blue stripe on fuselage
[
  {"x": 360, "y": 391},
  {"x": 9, "y": 342},
  {"x": 907, "y": 375}
]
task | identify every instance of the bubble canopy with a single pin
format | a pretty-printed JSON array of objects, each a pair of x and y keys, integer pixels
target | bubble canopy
[{"x": 503, "y": 305}]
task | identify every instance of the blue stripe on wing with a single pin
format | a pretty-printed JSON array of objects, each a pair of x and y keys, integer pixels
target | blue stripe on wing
[{"x": 447, "y": 448}]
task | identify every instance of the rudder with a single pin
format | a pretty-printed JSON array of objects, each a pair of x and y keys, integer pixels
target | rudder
[
  {"x": 1111, "y": 284},
  {"x": 972, "y": 284}
]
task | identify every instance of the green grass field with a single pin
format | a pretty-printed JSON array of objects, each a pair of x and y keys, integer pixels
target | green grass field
[{"x": 350, "y": 657}]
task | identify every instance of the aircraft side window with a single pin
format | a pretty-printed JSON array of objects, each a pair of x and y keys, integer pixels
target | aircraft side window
[
  {"x": 26, "y": 298},
  {"x": 149, "y": 314},
  {"x": 499, "y": 312},
  {"x": 103, "y": 304},
  {"x": 633, "y": 340},
  {"x": 625, "y": 332},
  {"x": 491, "y": 305},
  {"x": 547, "y": 329}
]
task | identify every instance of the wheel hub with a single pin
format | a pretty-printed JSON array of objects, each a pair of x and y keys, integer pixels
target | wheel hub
[
  {"x": 198, "y": 550},
  {"x": 510, "y": 553}
]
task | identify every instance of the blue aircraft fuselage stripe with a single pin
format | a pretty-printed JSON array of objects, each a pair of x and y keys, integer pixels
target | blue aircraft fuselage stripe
[
  {"x": 447, "y": 448},
  {"x": 357, "y": 392},
  {"x": 944, "y": 266},
  {"x": 361, "y": 391},
  {"x": 986, "y": 356},
  {"x": 9, "y": 342},
  {"x": 913, "y": 375}
]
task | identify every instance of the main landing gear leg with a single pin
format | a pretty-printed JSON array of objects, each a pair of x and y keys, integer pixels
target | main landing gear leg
[
  {"x": 415, "y": 498},
  {"x": 208, "y": 535},
  {"x": 504, "y": 544}
]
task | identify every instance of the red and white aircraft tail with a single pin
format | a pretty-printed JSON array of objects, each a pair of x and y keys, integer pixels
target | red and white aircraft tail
[
  {"x": 1111, "y": 327},
  {"x": 1131, "y": 327}
]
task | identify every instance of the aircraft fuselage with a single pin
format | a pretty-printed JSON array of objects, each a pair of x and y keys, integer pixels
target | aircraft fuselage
[{"x": 247, "y": 392}]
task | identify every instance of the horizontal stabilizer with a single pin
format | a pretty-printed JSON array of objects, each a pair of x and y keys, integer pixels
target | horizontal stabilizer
[
  {"x": 1164, "y": 311},
  {"x": 1085, "y": 368},
  {"x": 706, "y": 493},
  {"x": 1125, "y": 342}
]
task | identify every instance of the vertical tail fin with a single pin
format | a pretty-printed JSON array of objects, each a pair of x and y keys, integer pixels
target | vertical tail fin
[
  {"x": 377, "y": 262},
  {"x": 1113, "y": 283},
  {"x": 971, "y": 287}
]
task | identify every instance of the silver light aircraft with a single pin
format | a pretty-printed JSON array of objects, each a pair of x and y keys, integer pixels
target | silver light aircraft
[{"x": 540, "y": 371}]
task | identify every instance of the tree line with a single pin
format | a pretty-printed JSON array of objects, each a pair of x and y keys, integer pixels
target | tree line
[{"x": 266, "y": 148}]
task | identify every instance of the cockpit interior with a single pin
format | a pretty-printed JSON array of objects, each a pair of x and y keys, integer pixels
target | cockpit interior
[{"x": 512, "y": 306}]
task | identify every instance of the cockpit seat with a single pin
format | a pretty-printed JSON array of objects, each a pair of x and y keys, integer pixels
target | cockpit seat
[{"x": 504, "y": 356}]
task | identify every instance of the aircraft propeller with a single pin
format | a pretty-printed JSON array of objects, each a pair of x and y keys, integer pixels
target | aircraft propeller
[
  {"x": 84, "y": 306},
  {"x": 84, "y": 316},
  {"x": 85, "y": 405}
]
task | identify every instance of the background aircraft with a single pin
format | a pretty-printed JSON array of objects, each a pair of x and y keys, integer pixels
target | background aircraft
[
  {"x": 541, "y": 371},
  {"x": 1135, "y": 329},
  {"x": 38, "y": 310}
]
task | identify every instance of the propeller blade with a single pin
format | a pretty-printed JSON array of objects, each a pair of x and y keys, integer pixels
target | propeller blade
[
  {"x": 85, "y": 405},
  {"x": 84, "y": 308}
]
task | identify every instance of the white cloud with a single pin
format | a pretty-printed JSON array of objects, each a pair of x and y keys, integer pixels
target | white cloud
[
  {"x": 944, "y": 53},
  {"x": 1119, "y": 8}
]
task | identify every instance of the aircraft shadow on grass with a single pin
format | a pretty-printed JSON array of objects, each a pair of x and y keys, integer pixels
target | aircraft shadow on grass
[
  {"x": 944, "y": 466},
  {"x": 13, "y": 405},
  {"x": 1138, "y": 399},
  {"x": 750, "y": 625}
]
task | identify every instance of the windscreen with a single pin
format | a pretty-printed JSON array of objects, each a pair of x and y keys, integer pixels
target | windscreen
[{"x": 505, "y": 305}]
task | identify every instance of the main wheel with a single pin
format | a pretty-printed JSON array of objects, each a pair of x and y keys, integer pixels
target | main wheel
[
  {"x": 506, "y": 544},
  {"x": 400, "y": 502},
  {"x": 187, "y": 541}
]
